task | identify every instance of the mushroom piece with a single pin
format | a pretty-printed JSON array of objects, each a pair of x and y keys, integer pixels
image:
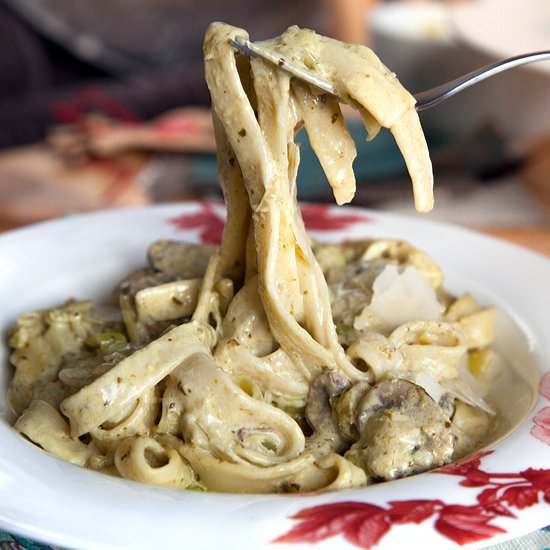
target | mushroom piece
[
  {"x": 326, "y": 437},
  {"x": 180, "y": 260},
  {"x": 403, "y": 431}
]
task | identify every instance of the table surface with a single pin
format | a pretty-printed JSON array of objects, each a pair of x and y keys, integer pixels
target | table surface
[{"x": 534, "y": 238}]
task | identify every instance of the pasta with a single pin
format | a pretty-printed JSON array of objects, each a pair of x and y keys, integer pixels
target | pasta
[{"x": 272, "y": 363}]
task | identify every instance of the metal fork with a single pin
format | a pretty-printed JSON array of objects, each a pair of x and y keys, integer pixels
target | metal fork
[{"x": 424, "y": 100}]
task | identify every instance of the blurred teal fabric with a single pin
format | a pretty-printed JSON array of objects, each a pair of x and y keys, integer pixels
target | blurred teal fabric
[{"x": 377, "y": 160}]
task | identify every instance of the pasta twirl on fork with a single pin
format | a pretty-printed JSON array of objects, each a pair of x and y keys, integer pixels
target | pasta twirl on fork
[{"x": 272, "y": 363}]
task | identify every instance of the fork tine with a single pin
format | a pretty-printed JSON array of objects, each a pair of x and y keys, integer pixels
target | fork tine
[
  {"x": 254, "y": 50},
  {"x": 241, "y": 44}
]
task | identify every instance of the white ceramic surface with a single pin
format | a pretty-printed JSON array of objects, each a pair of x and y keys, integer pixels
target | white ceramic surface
[{"x": 48, "y": 500}]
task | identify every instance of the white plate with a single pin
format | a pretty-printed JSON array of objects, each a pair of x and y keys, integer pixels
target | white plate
[
  {"x": 497, "y": 496},
  {"x": 505, "y": 28}
]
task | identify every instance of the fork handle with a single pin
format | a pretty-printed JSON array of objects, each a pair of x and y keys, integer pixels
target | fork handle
[{"x": 434, "y": 96}]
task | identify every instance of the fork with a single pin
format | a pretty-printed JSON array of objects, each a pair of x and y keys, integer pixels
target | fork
[{"x": 424, "y": 100}]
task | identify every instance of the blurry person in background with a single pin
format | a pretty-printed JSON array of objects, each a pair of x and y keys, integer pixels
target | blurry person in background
[
  {"x": 130, "y": 60},
  {"x": 103, "y": 103},
  {"x": 95, "y": 97}
]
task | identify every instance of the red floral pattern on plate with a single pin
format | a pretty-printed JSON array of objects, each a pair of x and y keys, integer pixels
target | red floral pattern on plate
[
  {"x": 323, "y": 217},
  {"x": 207, "y": 220},
  {"x": 541, "y": 429},
  {"x": 364, "y": 524},
  {"x": 317, "y": 217}
]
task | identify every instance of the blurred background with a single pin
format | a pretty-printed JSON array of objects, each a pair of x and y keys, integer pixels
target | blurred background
[{"x": 103, "y": 104}]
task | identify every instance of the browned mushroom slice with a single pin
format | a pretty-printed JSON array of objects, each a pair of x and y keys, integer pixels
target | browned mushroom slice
[
  {"x": 180, "y": 260},
  {"x": 326, "y": 437},
  {"x": 403, "y": 431}
]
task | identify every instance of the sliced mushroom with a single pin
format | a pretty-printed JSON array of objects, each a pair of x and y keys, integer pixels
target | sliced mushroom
[
  {"x": 180, "y": 260},
  {"x": 138, "y": 280},
  {"x": 326, "y": 437},
  {"x": 402, "y": 431},
  {"x": 345, "y": 407}
]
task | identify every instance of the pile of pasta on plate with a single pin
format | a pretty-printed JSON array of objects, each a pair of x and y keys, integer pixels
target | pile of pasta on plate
[{"x": 272, "y": 363}]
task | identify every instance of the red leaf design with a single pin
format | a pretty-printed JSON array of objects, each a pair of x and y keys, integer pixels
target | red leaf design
[
  {"x": 412, "y": 511},
  {"x": 367, "y": 531},
  {"x": 364, "y": 524},
  {"x": 541, "y": 433},
  {"x": 542, "y": 418},
  {"x": 462, "y": 467},
  {"x": 207, "y": 220},
  {"x": 540, "y": 481},
  {"x": 521, "y": 496},
  {"x": 545, "y": 385},
  {"x": 361, "y": 523},
  {"x": 475, "y": 478},
  {"x": 322, "y": 217},
  {"x": 541, "y": 429},
  {"x": 538, "y": 478},
  {"x": 465, "y": 524},
  {"x": 316, "y": 217},
  {"x": 490, "y": 499},
  {"x": 469, "y": 469}
]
